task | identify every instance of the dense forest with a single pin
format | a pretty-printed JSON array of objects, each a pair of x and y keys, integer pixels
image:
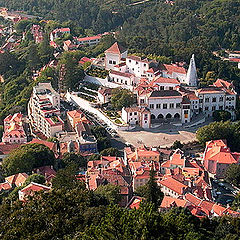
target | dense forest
[
  {"x": 72, "y": 212},
  {"x": 154, "y": 27}
]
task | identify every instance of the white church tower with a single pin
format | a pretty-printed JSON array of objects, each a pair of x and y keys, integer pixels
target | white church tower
[{"x": 191, "y": 79}]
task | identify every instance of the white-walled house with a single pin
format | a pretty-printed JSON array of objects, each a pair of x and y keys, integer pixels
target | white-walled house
[
  {"x": 104, "y": 95},
  {"x": 137, "y": 116},
  {"x": 137, "y": 66},
  {"x": 114, "y": 55},
  {"x": 174, "y": 71},
  {"x": 125, "y": 79}
]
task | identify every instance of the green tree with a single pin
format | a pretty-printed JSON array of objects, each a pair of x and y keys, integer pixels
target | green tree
[
  {"x": 103, "y": 143},
  {"x": 232, "y": 174},
  {"x": 177, "y": 144},
  {"x": 72, "y": 72},
  {"x": 27, "y": 157},
  {"x": 76, "y": 158},
  {"x": 110, "y": 152},
  {"x": 151, "y": 192},
  {"x": 220, "y": 130},
  {"x": 66, "y": 178},
  {"x": 110, "y": 192},
  {"x": 122, "y": 98},
  {"x": 221, "y": 115},
  {"x": 37, "y": 178}
]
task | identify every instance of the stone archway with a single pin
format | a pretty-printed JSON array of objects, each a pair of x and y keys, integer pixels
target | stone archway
[
  {"x": 168, "y": 116},
  {"x": 153, "y": 117},
  {"x": 177, "y": 116},
  {"x": 160, "y": 116}
]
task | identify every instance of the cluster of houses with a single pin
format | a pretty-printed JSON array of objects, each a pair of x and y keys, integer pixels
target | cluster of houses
[
  {"x": 185, "y": 181},
  {"x": 26, "y": 190},
  {"x": 46, "y": 121},
  {"x": 165, "y": 92},
  {"x": 76, "y": 42}
]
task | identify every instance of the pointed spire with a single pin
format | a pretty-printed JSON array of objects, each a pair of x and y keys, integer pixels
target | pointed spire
[{"x": 191, "y": 78}]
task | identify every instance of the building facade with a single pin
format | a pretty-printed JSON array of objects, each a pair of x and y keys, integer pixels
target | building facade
[{"x": 44, "y": 110}]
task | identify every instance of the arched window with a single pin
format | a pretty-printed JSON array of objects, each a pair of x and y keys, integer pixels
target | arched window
[
  {"x": 169, "y": 116},
  {"x": 160, "y": 116},
  {"x": 153, "y": 116},
  {"x": 177, "y": 115}
]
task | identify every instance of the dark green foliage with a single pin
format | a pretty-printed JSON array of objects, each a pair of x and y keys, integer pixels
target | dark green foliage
[
  {"x": 177, "y": 144},
  {"x": 122, "y": 98},
  {"x": 110, "y": 192},
  {"x": 99, "y": 131},
  {"x": 232, "y": 174},
  {"x": 37, "y": 178},
  {"x": 151, "y": 192},
  {"x": 50, "y": 215},
  {"x": 110, "y": 152},
  {"x": 72, "y": 73},
  {"x": 27, "y": 157},
  {"x": 74, "y": 158},
  {"x": 221, "y": 130},
  {"x": 221, "y": 115},
  {"x": 66, "y": 178},
  {"x": 103, "y": 143}
]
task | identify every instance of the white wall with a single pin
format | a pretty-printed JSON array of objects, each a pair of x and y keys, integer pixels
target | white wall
[
  {"x": 137, "y": 67},
  {"x": 84, "y": 104},
  {"x": 156, "y": 111}
]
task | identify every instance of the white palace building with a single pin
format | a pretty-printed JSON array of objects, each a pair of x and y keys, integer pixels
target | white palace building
[{"x": 165, "y": 91}]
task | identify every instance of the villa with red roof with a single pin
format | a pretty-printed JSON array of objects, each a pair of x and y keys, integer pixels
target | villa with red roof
[
  {"x": 172, "y": 187},
  {"x": 217, "y": 157},
  {"x": 30, "y": 189},
  {"x": 59, "y": 32},
  {"x": 13, "y": 129},
  {"x": 174, "y": 71},
  {"x": 114, "y": 55}
]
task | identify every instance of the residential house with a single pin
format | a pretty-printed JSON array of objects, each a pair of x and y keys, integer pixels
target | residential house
[
  {"x": 104, "y": 95},
  {"x": 30, "y": 189},
  {"x": 217, "y": 158},
  {"x": 13, "y": 129},
  {"x": 59, "y": 32},
  {"x": 137, "y": 116},
  {"x": 114, "y": 55}
]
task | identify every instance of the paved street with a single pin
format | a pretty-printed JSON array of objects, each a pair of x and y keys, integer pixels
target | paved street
[
  {"x": 164, "y": 135},
  {"x": 163, "y": 138}
]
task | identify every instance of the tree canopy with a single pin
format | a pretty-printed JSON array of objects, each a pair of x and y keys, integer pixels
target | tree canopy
[
  {"x": 121, "y": 98},
  {"x": 220, "y": 130},
  {"x": 27, "y": 157}
]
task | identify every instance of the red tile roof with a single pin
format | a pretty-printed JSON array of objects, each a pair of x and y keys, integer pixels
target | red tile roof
[
  {"x": 165, "y": 80},
  {"x": 50, "y": 145},
  {"x": 177, "y": 159},
  {"x": 222, "y": 83},
  {"x": 34, "y": 187},
  {"x": 171, "y": 68},
  {"x": 193, "y": 199},
  {"x": 123, "y": 74},
  {"x": 174, "y": 185},
  {"x": 116, "y": 49},
  {"x": 5, "y": 186},
  {"x": 168, "y": 202},
  {"x": 89, "y": 38},
  {"x": 6, "y": 148},
  {"x": 217, "y": 150},
  {"x": 75, "y": 114}
]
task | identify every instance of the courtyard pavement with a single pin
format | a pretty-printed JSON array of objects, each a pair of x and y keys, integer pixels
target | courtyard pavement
[{"x": 163, "y": 136}]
